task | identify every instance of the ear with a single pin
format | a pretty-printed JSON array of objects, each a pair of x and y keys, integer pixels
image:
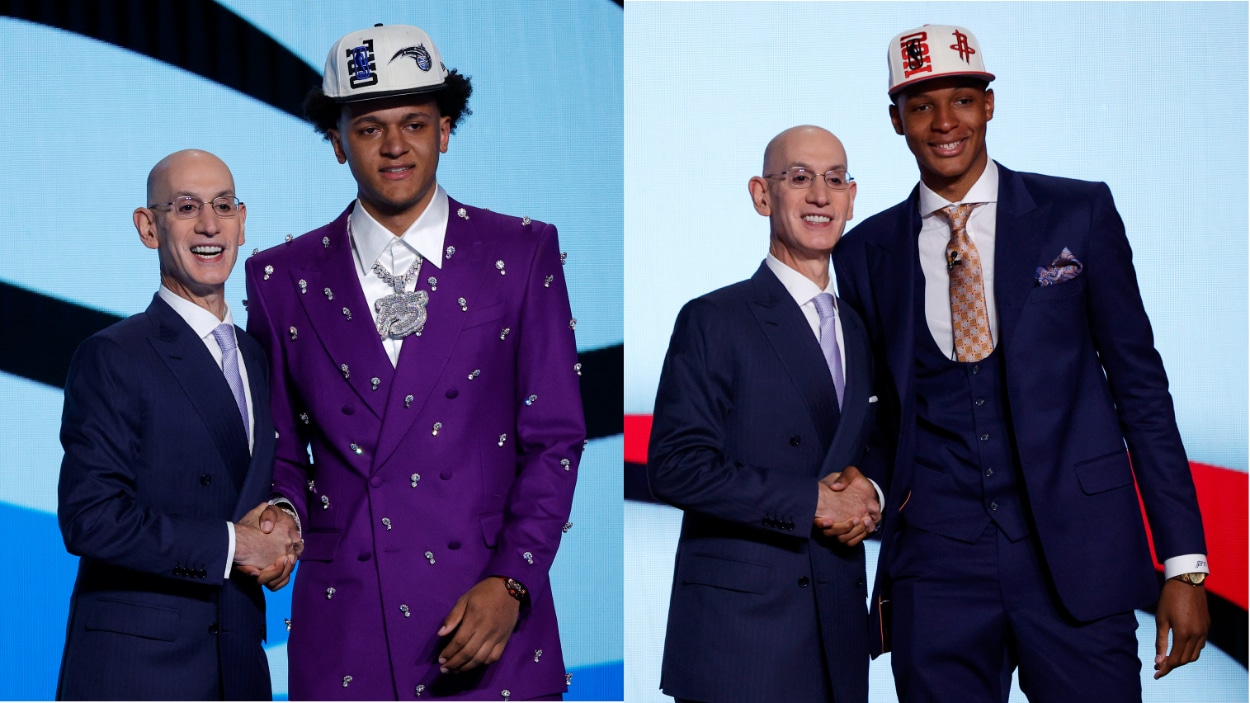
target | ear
[
  {"x": 850, "y": 201},
  {"x": 989, "y": 104},
  {"x": 145, "y": 224},
  {"x": 759, "y": 195},
  {"x": 242, "y": 221},
  {"x": 896, "y": 119},
  {"x": 337, "y": 142},
  {"x": 444, "y": 133}
]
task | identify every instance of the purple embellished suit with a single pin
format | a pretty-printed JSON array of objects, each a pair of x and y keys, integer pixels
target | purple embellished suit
[{"x": 427, "y": 477}]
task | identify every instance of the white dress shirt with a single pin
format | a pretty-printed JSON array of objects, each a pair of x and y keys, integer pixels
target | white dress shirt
[
  {"x": 804, "y": 292},
  {"x": 935, "y": 233},
  {"x": 372, "y": 243},
  {"x": 203, "y": 322}
]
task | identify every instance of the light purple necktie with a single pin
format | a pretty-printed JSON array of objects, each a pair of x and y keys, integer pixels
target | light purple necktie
[
  {"x": 224, "y": 334},
  {"x": 829, "y": 341}
]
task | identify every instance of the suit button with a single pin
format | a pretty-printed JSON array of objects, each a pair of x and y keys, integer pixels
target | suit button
[
  {"x": 804, "y": 581},
  {"x": 859, "y": 582},
  {"x": 790, "y": 525},
  {"x": 212, "y": 629},
  {"x": 795, "y": 440},
  {"x": 452, "y": 393},
  {"x": 445, "y": 474},
  {"x": 976, "y": 370},
  {"x": 989, "y": 471},
  {"x": 453, "y": 545},
  {"x": 980, "y": 402},
  {"x": 364, "y": 556},
  {"x": 205, "y": 479},
  {"x": 985, "y": 437},
  {"x": 177, "y": 571},
  {"x": 993, "y": 506},
  {"x": 348, "y": 409},
  {"x": 376, "y": 481}
]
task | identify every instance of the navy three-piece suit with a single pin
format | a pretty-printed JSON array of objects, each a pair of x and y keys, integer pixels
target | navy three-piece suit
[
  {"x": 746, "y": 422},
  {"x": 156, "y": 462},
  {"x": 1033, "y": 438}
]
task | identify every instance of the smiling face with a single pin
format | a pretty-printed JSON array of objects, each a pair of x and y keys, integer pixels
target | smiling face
[
  {"x": 944, "y": 122},
  {"x": 196, "y": 254},
  {"x": 804, "y": 223},
  {"x": 392, "y": 147}
]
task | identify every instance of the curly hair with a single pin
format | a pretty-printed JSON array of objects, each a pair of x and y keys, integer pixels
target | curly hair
[{"x": 452, "y": 100}]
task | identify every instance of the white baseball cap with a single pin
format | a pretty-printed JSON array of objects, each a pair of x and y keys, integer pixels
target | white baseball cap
[
  {"x": 934, "y": 51},
  {"x": 382, "y": 62}
]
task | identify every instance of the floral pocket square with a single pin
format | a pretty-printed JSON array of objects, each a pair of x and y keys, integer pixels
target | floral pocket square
[{"x": 1064, "y": 268}]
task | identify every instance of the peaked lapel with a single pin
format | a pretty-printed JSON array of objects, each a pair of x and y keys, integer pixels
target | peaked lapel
[
  {"x": 203, "y": 383},
  {"x": 422, "y": 359},
  {"x": 260, "y": 469},
  {"x": 1019, "y": 238},
  {"x": 355, "y": 341},
  {"x": 792, "y": 341},
  {"x": 892, "y": 264}
]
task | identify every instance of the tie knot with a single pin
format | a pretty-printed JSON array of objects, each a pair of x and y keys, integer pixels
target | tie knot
[
  {"x": 224, "y": 334},
  {"x": 957, "y": 215},
  {"x": 824, "y": 305}
]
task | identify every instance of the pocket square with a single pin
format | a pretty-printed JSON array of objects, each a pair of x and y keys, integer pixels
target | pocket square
[
  {"x": 1064, "y": 268},
  {"x": 872, "y": 399}
]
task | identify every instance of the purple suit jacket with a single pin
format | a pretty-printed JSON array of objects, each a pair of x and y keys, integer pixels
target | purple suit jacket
[{"x": 428, "y": 477}]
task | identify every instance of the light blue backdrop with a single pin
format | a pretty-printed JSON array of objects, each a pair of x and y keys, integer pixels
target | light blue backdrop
[
  {"x": 1148, "y": 97},
  {"x": 544, "y": 141}
]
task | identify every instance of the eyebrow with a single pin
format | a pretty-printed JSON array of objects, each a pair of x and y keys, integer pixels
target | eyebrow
[
  {"x": 370, "y": 119},
  {"x": 803, "y": 165},
  {"x": 228, "y": 192}
]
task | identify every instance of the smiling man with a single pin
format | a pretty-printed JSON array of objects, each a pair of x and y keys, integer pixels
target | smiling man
[
  {"x": 424, "y": 351},
  {"x": 763, "y": 405},
  {"x": 1016, "y": 366},
  {"x": 168, "y": 461}
]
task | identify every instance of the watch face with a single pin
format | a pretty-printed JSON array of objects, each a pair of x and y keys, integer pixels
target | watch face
[{"x": 1196, "y": 578}]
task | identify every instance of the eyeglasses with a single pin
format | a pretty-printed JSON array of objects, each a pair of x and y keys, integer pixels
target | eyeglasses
[
  {"x": 802, "y": 178},
  {"x": 186, "y": 207}
]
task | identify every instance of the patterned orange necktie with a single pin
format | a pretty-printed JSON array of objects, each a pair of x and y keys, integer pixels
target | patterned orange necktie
[{"x": 969, "y": 320}]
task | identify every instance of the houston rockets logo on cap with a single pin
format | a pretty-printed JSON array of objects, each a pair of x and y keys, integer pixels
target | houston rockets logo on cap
[
  {"x": 352, "y": 72},
  {"x": 934, "y": 51}
]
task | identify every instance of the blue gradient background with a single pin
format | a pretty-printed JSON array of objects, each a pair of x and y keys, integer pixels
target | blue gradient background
[
  {"x": 544, "y": 141},
  {"x": 1148, "y": 97}
]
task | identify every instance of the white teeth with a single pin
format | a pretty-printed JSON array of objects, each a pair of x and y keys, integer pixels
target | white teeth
[
  {"x": 816, "y": 219},
  {"x": 948, "y": 147},
  {"x": 206, "y": 251}
]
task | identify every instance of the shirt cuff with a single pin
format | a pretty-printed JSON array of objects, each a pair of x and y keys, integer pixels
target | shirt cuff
[
  {"x": 289, "y": 508},
  {"x": 230, "y": 548},
  {"x": 1185, "y": 564},
  {"x": 880, "y": 495}
]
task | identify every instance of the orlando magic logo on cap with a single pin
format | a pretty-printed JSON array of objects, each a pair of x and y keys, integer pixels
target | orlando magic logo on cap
[
  {"x": 934, "y": 51},
  {"x": 409, "y": 64}
]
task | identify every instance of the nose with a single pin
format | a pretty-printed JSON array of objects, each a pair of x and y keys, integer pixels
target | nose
[
  {"x": 393, "y": 145},
  {"x": 207, "y": 221},
  {"x": 944, "y": 118},
  {"x": 818, "y": 194}
]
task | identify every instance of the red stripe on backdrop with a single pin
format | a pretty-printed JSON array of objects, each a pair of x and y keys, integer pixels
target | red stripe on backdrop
[{"x": 1222, "y": 495}]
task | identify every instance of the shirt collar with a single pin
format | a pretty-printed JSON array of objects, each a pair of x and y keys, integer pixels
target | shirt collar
[
  {"x": 800, "y": 287},
  {"x": 985, "y": 190},
  {"x": 425, "y": 235},
  {"x": 202, "y": 322}
]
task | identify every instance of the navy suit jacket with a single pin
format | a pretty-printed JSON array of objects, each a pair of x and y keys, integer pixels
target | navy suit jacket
[
  {"x": 746, "y": 422},
  {"x": 1083, "y": 380},
  {"x": 156, "y": 461}
]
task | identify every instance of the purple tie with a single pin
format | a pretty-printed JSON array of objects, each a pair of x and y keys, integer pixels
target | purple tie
[
  {"x": 829, "y": 341},
  {"x": 224, "y": 334}
]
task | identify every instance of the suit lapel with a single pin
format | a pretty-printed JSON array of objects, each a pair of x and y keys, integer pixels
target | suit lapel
[
  {"x": 855, "y": 394},
  {"x": 892, "y": 271},
  {"x": 792, "y": 341},
  {"x": 257, "y": 483},
  {"x": 353, "y": 341},
  {"x": 422, "y": 359},
  {"x": 201, "y": 380},
  {"x": 1018, "y": 247}
]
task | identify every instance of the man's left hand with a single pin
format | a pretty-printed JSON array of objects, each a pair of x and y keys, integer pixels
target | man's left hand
[
  {"x": 1183, "y": 611},
  {"x": 483, "y": 620}
]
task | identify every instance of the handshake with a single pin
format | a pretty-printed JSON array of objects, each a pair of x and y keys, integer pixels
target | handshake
[
  {"x": 266, "y": 544},
  {"x": 848, "y": 508}
]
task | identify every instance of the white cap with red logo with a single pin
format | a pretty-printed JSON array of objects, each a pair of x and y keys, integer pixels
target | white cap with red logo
[
  {"x": 382, "y": 62},
  {"x": 934, "y": 51}
]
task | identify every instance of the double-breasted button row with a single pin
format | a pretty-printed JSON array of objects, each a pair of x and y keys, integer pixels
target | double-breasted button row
[{"x": 190, "y": 573}]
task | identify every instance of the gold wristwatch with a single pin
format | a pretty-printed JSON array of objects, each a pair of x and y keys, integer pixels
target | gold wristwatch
[{"x": 1193, "y": 579}]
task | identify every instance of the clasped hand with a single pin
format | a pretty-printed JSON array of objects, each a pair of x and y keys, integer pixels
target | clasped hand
[
  {"x": 266, "y": 545},
  {"x": 847, "y": 508}
]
